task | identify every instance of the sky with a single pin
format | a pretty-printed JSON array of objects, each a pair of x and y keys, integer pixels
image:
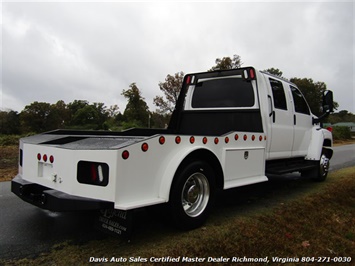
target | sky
[{"x": 93, "y": 51}]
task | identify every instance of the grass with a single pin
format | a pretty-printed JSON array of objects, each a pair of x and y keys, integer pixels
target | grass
[
  {"x": 344, "y": 142},
  {"x": 317, "y": 223},
  {"x": 8, "y": 162}
]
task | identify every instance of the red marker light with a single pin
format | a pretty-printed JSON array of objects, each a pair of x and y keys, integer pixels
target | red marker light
[
  {"x": 145, "y": 147},
  {"x": 51, "y": 159},
  {"x": 226, "y": 139},
  {"x": 245, "y": 137},
  {"x": 125, "y": 155},
  {"x": 216, "y": 140},
  {"x": 204, "y": 140},
  {"x": 177, "y": 139},
  {"x": 45, "y": 158},
  {"x": 253, "y": 137},
  {"x": 192, "y": 139},
  {"x": 162, "y": 140},
  {"x": 39, "y": 156},
  {"x": 236, "y": 137}
]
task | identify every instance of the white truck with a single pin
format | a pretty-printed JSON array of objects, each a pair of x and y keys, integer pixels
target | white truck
[{"x": 229, "y": 128}]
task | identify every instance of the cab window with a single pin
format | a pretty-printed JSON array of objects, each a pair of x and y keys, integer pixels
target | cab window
[
  {"x": 278, "y": 94},
  {"x": 299, "y": 101}
]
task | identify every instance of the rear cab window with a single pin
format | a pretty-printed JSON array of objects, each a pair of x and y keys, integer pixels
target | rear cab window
[{"x": 230, "y": 92}]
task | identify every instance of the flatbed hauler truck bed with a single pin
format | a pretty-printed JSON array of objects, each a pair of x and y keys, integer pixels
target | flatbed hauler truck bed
[{"x": 229, "y": 128}]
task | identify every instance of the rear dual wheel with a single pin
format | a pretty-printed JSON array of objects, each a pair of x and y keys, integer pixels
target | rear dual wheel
[{"x": 192, "y": 194}]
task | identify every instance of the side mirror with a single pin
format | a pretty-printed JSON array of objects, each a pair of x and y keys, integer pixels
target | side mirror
[{"x": 328, "y": 105}]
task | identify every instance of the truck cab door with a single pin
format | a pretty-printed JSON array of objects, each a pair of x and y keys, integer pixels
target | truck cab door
[
  {"x": 302, "y": 123},
  {"x": 280, "y": 127}
]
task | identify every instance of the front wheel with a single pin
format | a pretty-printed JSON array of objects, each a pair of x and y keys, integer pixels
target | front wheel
[
  {"x": 192, "y": 194},
  {"x": 320, "y": 172},
  {"x": 323, "y": 168}
]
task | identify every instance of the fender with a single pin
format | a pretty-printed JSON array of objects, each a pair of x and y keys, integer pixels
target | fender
[
  {"x": 319, "y": 138},
  {"x": 170, "y": 170}
]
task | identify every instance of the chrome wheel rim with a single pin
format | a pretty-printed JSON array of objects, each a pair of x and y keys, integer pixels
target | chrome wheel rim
[
  {"x": 195, "y": 194},
  {"x": 324, "y": 165}
]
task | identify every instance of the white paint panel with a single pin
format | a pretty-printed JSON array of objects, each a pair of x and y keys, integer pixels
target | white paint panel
[{"x": 242, "y": 163}]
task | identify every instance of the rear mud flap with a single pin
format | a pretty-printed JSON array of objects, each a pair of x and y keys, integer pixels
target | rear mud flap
[{"x": 115, "y": 222}]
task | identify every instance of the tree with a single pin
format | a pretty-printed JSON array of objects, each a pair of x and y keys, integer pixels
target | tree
[
  {"x": 274, "y": 71},
  {"x": 227, "y": 63},
  {"x": 341, "y": 116},
  {"x": 59, "y": 114},
  {"x": 88, "y": 116},
  {"x": 35, "y": 117},
  {"x": 9, "y": 122},
  {"x": 171, "y": 88},
  {"x": 137, "y": 111},
  {"x": 113, "y": 111},
  {"x": 313, "y": 92}
]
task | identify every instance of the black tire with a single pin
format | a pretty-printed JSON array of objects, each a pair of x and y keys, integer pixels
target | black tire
[
  {"x": 320, "y": 172},
  {"x": 192, "y": 195}
]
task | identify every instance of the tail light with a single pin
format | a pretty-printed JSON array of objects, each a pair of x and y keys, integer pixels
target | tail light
[
  {"x": 248, "y": 74},
  {"x": 189, "y": 80},
  {"x": 92, "y": 173}
]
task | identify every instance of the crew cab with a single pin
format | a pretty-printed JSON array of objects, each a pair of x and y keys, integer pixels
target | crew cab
[{"x": 229, "y": 128}]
